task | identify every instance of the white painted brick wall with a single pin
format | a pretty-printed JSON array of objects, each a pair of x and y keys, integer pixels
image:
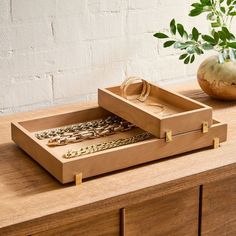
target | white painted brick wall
[{"x": 60, "y": 51}]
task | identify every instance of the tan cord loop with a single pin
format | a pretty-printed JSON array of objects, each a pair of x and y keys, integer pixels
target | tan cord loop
[
  {"x": 130, "y": 80},
  {"x": 146, "y": 89}
]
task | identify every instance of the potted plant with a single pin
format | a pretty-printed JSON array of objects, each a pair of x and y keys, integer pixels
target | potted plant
[{"x": 217, "y": 74}]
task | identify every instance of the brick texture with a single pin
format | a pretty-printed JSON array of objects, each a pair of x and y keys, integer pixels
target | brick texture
[{"x": 59, "y": 51}]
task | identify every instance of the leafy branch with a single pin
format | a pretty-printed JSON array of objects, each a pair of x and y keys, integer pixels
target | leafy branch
[{"x": 220, "y": 14}]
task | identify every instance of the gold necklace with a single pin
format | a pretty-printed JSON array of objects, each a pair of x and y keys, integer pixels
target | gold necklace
[
  {"x": 106, "y": 145},
  {"x": 86, "y": 130}
]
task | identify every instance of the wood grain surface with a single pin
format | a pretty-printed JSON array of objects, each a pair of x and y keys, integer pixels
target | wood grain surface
[
  {"x": 175, "y": 214},
  {"x": 219, "y": 208},
  {"x": 101, "y": 225},
  {"x": 32, "y": 201}
]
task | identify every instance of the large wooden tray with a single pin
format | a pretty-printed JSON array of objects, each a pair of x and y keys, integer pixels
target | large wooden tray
[
  {"x": 23, "y": 134},
  {"x": 181, "y": 114}
]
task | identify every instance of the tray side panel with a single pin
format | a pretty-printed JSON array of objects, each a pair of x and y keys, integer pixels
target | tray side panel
[
  {"x": 176, "y": 99},
  {"x": 140, "y": 153},
  {"x": 184, "y": 123},
  {"x": 129, "y": 112},
  {"x": 64, "y": 119},
  {"x": 37, "y": 152},
  {"x": 189, "y": 120}
]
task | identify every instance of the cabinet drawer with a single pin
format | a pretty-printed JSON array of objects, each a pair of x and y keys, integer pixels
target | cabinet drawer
[
  {"x": 175, "y": 214},
  {"x": 219, "y": 208},
  {"x": 105, "y": 224}
]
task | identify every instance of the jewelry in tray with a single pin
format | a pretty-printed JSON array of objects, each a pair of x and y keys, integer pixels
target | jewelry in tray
[
  {"x": 91, "y": 130},
  {"x": 99, "y": 128},
  {"x": 143, "y": 96},
  {"x": 106, "y": 145},
  {"x": 86, "y": 130}
]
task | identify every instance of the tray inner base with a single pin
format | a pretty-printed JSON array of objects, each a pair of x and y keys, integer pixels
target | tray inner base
[{"x": 173, "y": 104}]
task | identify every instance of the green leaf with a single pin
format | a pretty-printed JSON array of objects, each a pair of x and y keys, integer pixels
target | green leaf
[
  {"x": 213, "y": 31},
  {"x": 183, "y": 56},
  {"x": 222, "y": 35},
  {"x": 168, "y": 43},
  {"x": 196, "y": 5},
  {"x": 207, "y": 46},
  {"x": 180, "y": 29},
  {"x": 222, "y": 44},
  {"x": 196, "y": 11},
  {"x": 160, "y": 36},
  {"x": 210, "y": 16},
  {"x": 215, "y": 24},
  {"x": 173, "y": 27},
  {"x": 208, "y": 38},
  {"x": 195, "y": 34},
  {"x": 232, "y": 36},
  {"x": 177, "y": 45},
  {"x": 222, "y": 9},
  {"x": 187, "y": 59},
  {"x": 229, "y": 2},
  {"x": 227, "y": 33},
  {"x": 230, "y": 8},
  {"x": 181, "y": 46},
  {"x": 232, "y": 45},
  {"x": 206, "y": 2},
  {"x": 192, "y": 59},
  {"x": 216, "y": 37},
  {"x": 198, "y": 51},
  {"x": 232, "y": 13},
  {"x": 207, "y": 8},
  {"x": 185, "y": 35},
  {"x": 190, "y": 50}
]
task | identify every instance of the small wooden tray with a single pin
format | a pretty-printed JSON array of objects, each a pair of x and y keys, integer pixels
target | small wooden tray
[
  {"x": 181, "y": 114},
  {"x": 65, "y": 170}
]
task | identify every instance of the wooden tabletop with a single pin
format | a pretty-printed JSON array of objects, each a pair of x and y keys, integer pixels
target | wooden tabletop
[{"x": 30, "y": 198}]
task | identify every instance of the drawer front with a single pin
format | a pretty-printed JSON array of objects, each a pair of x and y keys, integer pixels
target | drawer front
[
  {"x": 175, "y": 214},
  {"x": 219, "y": 208},
  {"x": 106, "y": 224}
]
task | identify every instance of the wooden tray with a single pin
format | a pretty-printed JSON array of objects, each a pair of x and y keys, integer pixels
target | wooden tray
[
  {"x": 181, "y": 114},
  {"x": 65, "y": 170}
]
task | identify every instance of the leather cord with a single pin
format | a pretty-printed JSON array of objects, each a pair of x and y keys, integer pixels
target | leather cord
[{"x": 142, "y": 97}]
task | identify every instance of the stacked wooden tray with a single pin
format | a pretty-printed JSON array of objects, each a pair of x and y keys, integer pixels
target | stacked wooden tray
[{"x": 183, "y": 126}]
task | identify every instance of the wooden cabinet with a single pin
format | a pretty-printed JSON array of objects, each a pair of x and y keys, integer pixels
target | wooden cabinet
[
  {"x": 175, "y": 214},
  {"x": 105, "y": 224},
  {"x": 161, "y": 198},
  {"x": 219, "y": 208}
]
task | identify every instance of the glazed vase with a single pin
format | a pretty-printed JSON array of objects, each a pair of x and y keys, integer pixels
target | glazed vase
[{"x": 218, "y": 80}]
